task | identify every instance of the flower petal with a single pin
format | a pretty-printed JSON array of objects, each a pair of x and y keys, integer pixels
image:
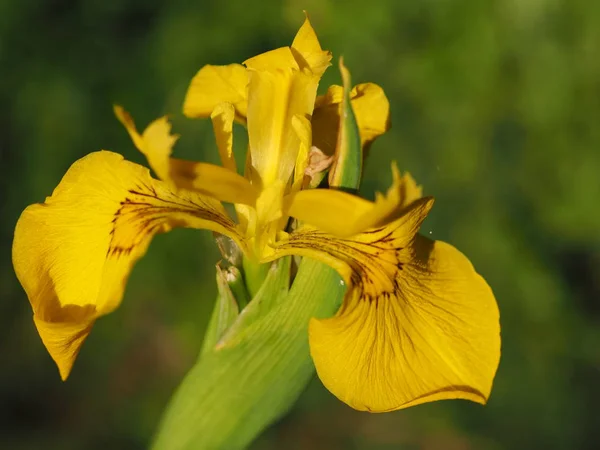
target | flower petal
[
  {"x": 216, "y": 181},
  {"x": 274, "y": 98},
  {"x": 305, "y": 54},
  {"x": 344, "y": 214},
  {"x": 330, "y": 210},
  {"x": 73, "y": 253},
  {"x": 280, "y": 58},
  {"x": 371, "y": 108},
  {"x": 308, "y": 51},
  {"x": 222, "y": 183},
  {"x": 222, "y": 120},
  {"x": 156, "y": 142},
  {"x": 418, "y": 324},
  {"x": 63, "y": 339},
  {"x": 217, "y": 84}
]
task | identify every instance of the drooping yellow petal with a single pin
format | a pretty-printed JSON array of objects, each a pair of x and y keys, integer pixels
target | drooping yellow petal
[
  {"x": 217, "y": 84},
  {"x": 308, "y": 51},
  {"x": 156, "y": 142},
  {"x": 222, "y": 120},
  {"x": 371, "y": 108},
  {"x": 274, "y": 98},
  {"x": 64, "y": 337},
  {"x": 418, "y": 324},
  {"x": 344, "y": 214},
  {"x": 73, "y": 253},
  {"x": 222, "y": 183}
]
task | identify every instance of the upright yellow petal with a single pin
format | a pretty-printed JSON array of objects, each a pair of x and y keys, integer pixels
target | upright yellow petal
[
  {"x": 283, "y": 85},
  {"x": 280, "y": 58},
  {"x": 418, "y": 324},
  {"x": 371, "y": 108},
  {"x": 344, "y": 214},
  {"x": 308, "y": 51},
  {"x": 305, "y": 54},
  {"x": 274, "y": 98},
  {"x": 217, "y": 84},
  {"x": 73, "y": 253}
]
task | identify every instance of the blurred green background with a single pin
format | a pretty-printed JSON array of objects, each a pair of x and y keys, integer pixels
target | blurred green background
[{"x": 495, "y": 110}]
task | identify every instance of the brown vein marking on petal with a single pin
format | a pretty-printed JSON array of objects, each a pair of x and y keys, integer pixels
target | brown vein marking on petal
[
  {"x": 145, "y": 212},
  {"x": 373, "y": 262}
]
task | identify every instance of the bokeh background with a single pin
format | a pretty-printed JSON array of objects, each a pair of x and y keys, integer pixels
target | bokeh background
[{"x": 495, "y": 110}]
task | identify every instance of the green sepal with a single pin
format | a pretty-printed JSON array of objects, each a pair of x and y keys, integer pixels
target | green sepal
[
  {"x": 347, "y": 166},
  {"x": 237, "y": 390}
]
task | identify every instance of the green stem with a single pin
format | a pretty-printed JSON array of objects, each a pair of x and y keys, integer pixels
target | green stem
[{"x": 254, "y": 275}]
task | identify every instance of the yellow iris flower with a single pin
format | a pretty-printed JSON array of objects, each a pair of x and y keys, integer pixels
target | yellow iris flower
[{"x": 417, "y": 324}]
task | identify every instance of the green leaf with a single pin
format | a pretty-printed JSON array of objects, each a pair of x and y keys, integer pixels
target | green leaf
[
  {"x": 237, "y": 390},
  {"x": 348, "y": 159}
]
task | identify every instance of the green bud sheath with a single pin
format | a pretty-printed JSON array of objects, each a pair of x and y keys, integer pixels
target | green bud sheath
[
  {"x": 346, "y": 171},
  {"x": 238, "y": 389},
  {"x": 231, "y": 298}
]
